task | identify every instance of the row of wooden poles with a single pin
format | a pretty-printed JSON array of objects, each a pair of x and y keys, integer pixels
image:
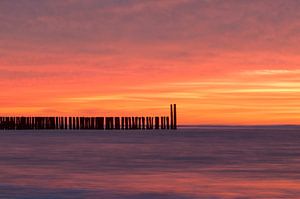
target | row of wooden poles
[
  {"x": 100, "y": 123},
  {"x": 16, "y": 123}
]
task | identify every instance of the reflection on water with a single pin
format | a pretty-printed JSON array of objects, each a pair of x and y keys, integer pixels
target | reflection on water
[{"x": 188, "y": 163}]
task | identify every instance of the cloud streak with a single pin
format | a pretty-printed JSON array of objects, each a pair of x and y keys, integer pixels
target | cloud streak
[{"x": 201, "y": 54}]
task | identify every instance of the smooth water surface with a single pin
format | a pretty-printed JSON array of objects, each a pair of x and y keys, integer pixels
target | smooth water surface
[{"x": 224, "y": 162}]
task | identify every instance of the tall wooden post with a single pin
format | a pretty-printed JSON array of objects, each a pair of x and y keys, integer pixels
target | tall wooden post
[
  {"x": 175, "y": 117},
  {"x": 171, "y": 115}
]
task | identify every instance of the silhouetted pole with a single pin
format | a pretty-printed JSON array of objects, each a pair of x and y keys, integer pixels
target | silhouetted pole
[
  {"x": 70, "y": 123},
  {"x": 129, "y": 122},
  {"x": 117, "y": 123},
  {"x": 152, "y": 122},
  {"x": 126, "y": 123},
  {"x": 56, "y": 122},
  {"x": 111, "y": 123},
  {"x": 175, "y": 117},
  {"x": 168, "y": 122},
  {"x": 77, "y": 122},
  {"x": 143, "y": 122},
  {"x": 162, "y": 122},
  {"x": 147, "y": 123},
  {"x": 156, "y": 122},
  {"x": 140, "y": 123},
  {"x": 73, "y": 122},
  {"x": 136, "y": 122},
  {"x": 171, "y": 115},
  {"x": 133, "y": 123},
  {"x": 92, "y": 123},
  {"x": 80, "y": 123},
  {"x": 101, "y": 123},
  {"x": 122, "y": 123}
]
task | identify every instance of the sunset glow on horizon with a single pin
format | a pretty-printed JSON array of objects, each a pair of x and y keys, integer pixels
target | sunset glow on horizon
[{"x": 222, "y": 62}]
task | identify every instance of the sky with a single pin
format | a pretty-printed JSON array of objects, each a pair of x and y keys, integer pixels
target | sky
[{"x": 222, "y": 62}]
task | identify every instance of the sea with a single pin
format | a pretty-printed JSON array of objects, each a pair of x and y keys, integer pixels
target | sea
[{"x": 200, "y": 162}]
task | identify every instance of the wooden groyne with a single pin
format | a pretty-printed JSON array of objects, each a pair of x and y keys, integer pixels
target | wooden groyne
[{"x": 96, "y": 123}]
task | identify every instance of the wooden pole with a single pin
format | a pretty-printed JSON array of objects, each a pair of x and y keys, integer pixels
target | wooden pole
[
  {"x": 167, "y": 121},
  {"x": 175, "y": 117},
  {"x": 171, "y": 115},
  {"x": 156, "y": 122},
  {"x": 117, "y": 123}
]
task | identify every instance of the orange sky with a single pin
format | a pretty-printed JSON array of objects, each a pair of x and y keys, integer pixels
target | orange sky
[{"x": 222, "y": 62}]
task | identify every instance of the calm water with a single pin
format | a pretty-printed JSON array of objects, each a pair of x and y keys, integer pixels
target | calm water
[{"x": 188, "y": 163}]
